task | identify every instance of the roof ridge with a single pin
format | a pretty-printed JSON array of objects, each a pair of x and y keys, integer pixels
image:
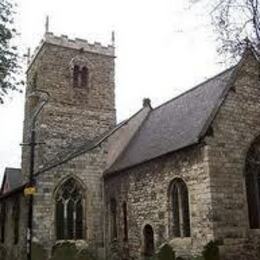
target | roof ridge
[{"x": 195, "y": 87}]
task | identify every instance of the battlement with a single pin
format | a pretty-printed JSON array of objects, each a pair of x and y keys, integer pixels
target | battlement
[{"x": 76, "y": 43}]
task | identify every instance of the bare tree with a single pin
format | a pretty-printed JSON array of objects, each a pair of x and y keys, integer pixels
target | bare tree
[{"x": 237, "y": 24}]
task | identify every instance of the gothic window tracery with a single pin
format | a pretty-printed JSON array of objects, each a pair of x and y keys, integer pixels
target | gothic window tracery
[
  {"x": 69, "y": 211},
  {"x": 252, "y": 177},
  {"x": 179, "y": 209}
]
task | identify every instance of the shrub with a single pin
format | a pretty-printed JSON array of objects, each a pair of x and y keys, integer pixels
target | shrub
[
  {"x": 165, "y": 253},
  {"x": 211, "y": 251}
]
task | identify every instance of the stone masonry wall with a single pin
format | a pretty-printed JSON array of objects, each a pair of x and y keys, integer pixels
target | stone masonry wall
[
  {"x": 145, "y": 190},
  {"x": 235, "y": 128},
  {"x": 14, "y": 251},
  {"x": 72, "y": 117},
  {"x": 71, "y": 114},
  {"x": 87, "y": 169}
]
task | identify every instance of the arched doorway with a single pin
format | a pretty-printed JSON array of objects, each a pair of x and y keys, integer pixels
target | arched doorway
[{"x": 148, "y": 241}]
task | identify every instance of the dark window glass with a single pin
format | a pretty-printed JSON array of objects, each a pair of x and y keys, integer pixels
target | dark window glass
[
  {"x": 70, "y": 220},
  {"x": 60, "y": 220},
  {"x": 113, "y": 219},
  {"x": 2, "y": 221},
  {"x": 76, "y": 74},
  {"x": 69, "y": 211},
  {"x": 252, "y": 180},
  {"x": 84, "y": 77},
  {"x": 148, "y": 241},
  {"x": 79, "y": 220},
  {"x": 16, "y": 219},
  {"x": 180, "y": 209},
  {"x": 176, "y": 212},
  {"x": 125, "y": 221}
]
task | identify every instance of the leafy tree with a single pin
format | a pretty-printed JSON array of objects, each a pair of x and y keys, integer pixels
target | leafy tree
[
  {"x": 237, "y": 24},
  {"x": 9, "y": 66}
]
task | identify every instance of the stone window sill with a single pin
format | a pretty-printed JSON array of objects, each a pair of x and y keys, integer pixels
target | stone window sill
[
  {"x": 77, "y": 242},
  {"x": 181, "y": 242},
  {"x": 254, "y": 231}
]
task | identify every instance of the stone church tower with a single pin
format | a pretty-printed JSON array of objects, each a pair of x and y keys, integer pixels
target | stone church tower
[{"x": 79, "y": 79}]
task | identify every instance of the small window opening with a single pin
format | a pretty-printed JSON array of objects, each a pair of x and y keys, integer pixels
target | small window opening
[
  {"x": 113, "y": 219},
  {"x": 148, "y": 241},
  {"x": 125, "y": 222},
  {"x": 16, "y": 219}
]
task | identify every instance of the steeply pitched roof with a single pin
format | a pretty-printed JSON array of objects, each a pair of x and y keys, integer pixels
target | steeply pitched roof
[
  {"x": 178, "y": 123},
  {"x": 12, "y": 179}
]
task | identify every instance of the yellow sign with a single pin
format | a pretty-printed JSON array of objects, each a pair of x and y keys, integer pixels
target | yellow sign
[{"x": 29, "y": 191}]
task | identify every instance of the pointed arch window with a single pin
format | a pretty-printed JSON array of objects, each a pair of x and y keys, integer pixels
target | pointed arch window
[
  {"x": 179, "y": 209},
  {"x": 252, "y": 177},
  {"x": 69, "y": 211}
]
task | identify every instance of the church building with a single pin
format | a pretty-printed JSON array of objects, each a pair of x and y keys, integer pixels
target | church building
[{"x": 184, "y": 173}]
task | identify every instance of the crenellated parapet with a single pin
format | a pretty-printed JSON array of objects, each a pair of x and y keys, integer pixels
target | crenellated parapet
[{"x": 77, "y": 43}]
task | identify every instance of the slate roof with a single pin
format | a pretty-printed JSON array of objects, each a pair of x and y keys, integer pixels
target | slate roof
[
  {"x": 13, "y": 177},
  {"x": 178, "y": 123}
]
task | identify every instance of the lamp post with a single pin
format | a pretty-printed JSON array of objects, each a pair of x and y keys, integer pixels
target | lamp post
[{"x": 30, "y": 189}]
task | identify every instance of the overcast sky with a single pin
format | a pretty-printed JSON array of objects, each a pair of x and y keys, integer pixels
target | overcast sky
[{"x": 163, "y": 47}]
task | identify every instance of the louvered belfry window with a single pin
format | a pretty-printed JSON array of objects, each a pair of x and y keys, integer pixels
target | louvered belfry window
[
  {"x": 80, "y": 76},
  {"x": 180, "y": 215},
  {"x": 69, "y": 211}
]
